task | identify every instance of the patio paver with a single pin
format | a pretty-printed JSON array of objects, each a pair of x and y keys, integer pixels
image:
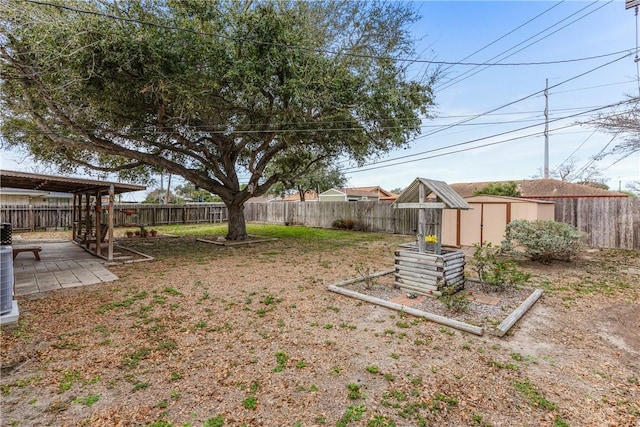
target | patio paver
[{"x": 64, "y": 265}]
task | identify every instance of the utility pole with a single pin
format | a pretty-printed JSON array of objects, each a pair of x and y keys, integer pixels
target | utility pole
[{"x": 546, "y": 129}]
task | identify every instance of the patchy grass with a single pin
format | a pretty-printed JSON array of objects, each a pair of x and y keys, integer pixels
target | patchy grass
[{"x": 210, "y": 335}]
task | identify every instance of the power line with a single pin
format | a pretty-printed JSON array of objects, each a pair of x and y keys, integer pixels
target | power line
[
  {"x": 459, "y": 79},
  {"x": 458, "y": 151},
  {"x": 325, "y": 51},
  {"x": 505, "y": 35},
  {"x": 593, "y": 87},
  {"x": 493, "y": 136},
  {"x": 521, "y": 99}
]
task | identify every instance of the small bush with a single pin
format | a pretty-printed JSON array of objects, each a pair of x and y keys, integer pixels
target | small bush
[
  {"x": 542, "y": 240},
  {"x": 338, "y": 223},
  {"x": 499, "y": 274},
  {"x": 456, "y": 302}
]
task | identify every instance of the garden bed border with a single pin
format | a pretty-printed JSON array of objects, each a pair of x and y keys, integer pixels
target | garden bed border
[{"x": 501, "y": 329}]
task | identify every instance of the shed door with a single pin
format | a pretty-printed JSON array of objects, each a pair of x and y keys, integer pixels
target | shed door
[
  {"x": 485, "y": 222},
  {"x": 494, "y": 222},
  {"x": 470, "y": 222}
]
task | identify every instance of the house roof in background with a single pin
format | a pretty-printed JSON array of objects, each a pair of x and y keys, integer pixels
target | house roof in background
[
  {"x": 440, "y": 189},
  {"x": 484, "y": 198},
  {"x": 32, "y": 181},
  {"x": 540, "y": 188},
  {"x": 374, "y": 191},
  {"x": 22, "y": 192},
  {"x": 309, "y": 196}
]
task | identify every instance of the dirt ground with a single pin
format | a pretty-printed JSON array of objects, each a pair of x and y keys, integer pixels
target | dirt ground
[{"x": 208, "y": 335}]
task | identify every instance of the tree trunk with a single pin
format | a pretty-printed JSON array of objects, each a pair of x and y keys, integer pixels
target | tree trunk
[
  {"x": 237, "y": 227},
  {"x": 166, "y": 196}
]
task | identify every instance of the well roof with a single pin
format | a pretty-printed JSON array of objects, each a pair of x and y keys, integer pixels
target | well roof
[{"x": 440, "y": 189}]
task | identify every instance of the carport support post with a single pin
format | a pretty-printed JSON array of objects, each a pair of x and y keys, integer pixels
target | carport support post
[
  {"x": 87, "y": 217},
  {"x": 98, "y": 225},
  {"x": 110, "y": 222},
  {"x": 422, "y": 220},
  {"x": 74, "y": 217}
]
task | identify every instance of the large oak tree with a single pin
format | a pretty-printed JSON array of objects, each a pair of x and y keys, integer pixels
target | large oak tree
[{"x": 213, "y": 91}]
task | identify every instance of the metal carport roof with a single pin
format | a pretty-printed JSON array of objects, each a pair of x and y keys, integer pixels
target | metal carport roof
[{"x": 32, "y": 181}]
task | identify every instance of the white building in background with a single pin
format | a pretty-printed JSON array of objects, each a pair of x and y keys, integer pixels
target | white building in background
[{"x": 18, "y": 197}]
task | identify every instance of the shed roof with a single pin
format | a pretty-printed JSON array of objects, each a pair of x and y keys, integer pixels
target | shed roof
[
  {"x": 33, "y": 181},
  {"x": 440, "y": 189}
]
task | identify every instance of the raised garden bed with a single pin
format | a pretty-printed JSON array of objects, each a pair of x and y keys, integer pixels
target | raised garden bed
[{"x": 487, "y": 308}]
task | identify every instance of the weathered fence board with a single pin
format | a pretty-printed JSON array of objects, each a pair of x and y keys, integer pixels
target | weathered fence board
[{"x": 608, "y": 222}]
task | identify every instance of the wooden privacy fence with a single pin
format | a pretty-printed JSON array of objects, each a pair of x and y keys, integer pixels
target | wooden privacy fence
[
  {"x": 366, "y": 216},
  {"x": 607, "y": 222},
  {"x": 33, "y": 218},
  {"x": 150, "y": 215}
]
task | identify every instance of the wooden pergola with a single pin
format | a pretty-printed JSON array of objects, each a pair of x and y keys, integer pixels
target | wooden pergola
[{"x": 88, "y": 208}]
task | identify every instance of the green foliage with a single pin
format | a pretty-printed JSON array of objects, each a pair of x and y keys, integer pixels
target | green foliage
[
  {"x": 499, "y": 189},
  {"x": 87, "y": 400},
  {"x": 455, "y": 301},
  {"x": 351, "y": 414},
  {"x": 189, "y": 193},
  {"x": 495, "y": 272},
  {"x": 318, "y": 177},
  {"x": 380, "y": 421},
  {"x": 354, "y": 391},
  {"x": 542, "y": 240},
  {"x": 250, "y": 402},
  {"x": 533, "y": 395},
  {"x": 373, "y": 369},
  {"x": 281, "y": 360},
  {"x": 217, "y": 421}
]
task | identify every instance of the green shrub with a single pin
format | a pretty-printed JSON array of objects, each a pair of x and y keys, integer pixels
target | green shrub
[
  {"x": 495, "y": 272},
  {"x": 455, "y": 301},
  {"x": 338, "y": 223},
  {"x": 509, "y": 189},
  {"x": 542, "y": 240}
]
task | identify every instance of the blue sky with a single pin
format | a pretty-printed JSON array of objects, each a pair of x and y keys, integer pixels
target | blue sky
[{"x": 450, "y": 31}]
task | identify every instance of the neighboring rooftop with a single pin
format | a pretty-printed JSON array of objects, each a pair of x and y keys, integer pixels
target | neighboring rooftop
[{"x": 540, "y": 188}]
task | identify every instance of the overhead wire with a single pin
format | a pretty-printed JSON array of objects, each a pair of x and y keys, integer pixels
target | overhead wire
[
  {"x": 460, "y": 79},
  {"x": 505, "y": 35},
  {"x": 531, "y": 95},
  {"x": 459, "y": 150},
  {"x": 483, "y": 138},
  {"x": 301, "y": 48}
]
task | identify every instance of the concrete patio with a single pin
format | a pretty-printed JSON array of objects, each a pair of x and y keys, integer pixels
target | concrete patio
[{"x": 63, "y": 265}]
